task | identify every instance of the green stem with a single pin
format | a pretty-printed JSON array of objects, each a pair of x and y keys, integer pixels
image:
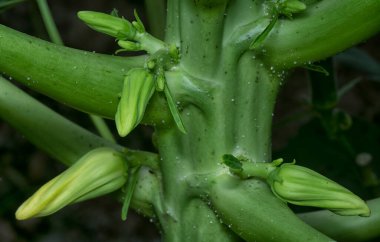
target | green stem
[
  {"x": 86, "y": 81},
  {"x": 55, "y": 134},
  {"x": 10, "y": 3},
  {"x": 256, "y": 169},
  {"x": 46, "y": 129},
  {"x": 250, "y": 210},
  {"x": 198, "y": 32},
  {"x": 49, "y": 22},
  {"x": 55, "y": 37},
  {"x": 102, "y": 128},
  {"x": 324, "y": 29},
  {"x": 149, "y": 43},
  {"x": 347, "y": 228}
]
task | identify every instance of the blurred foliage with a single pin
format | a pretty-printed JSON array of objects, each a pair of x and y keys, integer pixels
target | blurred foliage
[{"x": 341, "y": 146}]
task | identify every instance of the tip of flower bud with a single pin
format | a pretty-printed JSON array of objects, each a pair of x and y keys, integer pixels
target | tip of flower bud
[{"x": 108, "y": 24}]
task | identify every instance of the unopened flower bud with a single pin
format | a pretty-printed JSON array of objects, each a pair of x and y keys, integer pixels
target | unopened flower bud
[
  {"x": 99, "y": 172},
  {"x": 116, "y": 27},
  {"x": 137, "y": 90},
  {"x": 301, "y": 186}
]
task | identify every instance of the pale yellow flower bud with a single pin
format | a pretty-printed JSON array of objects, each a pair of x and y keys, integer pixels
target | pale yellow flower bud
[
  {"x": 301, "y": 186},
  {"x": 99, "y": 172},
  {"x": 107, "y": 24},
  {"x": 137, "y": 90}
]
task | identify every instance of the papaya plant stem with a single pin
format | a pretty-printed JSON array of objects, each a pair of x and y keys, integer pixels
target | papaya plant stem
[
  {"x": 84, "y": 80},
  {"x": 46, "y": 129},
  {"x": 273, "y": 220},
  {"x": 227, "y": 99},
  {"x": 322, "y": 30},
  {"x": 346, "y": 228},
  {"x": 54, "y": 133},
  {"x": 55, "y": 37}
]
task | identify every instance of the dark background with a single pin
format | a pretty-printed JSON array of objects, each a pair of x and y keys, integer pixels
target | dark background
[{"x": 297, "y": 133}]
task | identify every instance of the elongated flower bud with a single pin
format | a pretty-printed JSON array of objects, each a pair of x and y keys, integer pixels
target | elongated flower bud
[
  {"x": 108, "y": 24},
  {"x": 99, "y": 172},
  {"x": 301, "y": 186},
  {"x": 138, "y": 88}
]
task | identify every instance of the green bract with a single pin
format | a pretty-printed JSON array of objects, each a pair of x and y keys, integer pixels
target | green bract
[
  {"x": 108, "y": 24},
  {"x": 99, "y": 172},
  {"x": 301, "y": 186}
]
